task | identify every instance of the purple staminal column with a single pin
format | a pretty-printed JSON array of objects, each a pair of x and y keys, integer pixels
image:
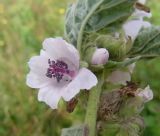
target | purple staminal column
[{"x": 57, "y": 69}]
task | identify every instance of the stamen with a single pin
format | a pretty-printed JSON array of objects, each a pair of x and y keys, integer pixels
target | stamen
[{"x": 57, "y": 69}]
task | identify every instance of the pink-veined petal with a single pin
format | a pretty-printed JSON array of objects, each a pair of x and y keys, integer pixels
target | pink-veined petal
[
  {"x": 50, "y": 95},
  {"x": 60, "y": 49},
  {"x": 38, "y": 65},
  {"x": 37, "y": 81},
  {"x": 85, "y": 79}
]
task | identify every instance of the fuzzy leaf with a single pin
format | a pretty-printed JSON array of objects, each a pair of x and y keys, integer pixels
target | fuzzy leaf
[
  {"x": 110, "y": 129},
  {"x": 93, "y": 15},
  {"x": 132, "y": 126},
  {"x": 147, "y": 43},
  {"x": 131, "y": 106},
  {"x": 75, "y": 131}
]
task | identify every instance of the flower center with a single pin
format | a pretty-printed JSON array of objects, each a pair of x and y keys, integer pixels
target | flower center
[{"x": 57, "y": 69}]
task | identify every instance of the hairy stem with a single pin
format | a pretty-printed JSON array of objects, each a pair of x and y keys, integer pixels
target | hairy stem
[{"x": 91, "y": 115}]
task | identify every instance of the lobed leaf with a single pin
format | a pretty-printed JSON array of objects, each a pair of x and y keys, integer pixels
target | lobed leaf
[{"x": 87, "y": 16}]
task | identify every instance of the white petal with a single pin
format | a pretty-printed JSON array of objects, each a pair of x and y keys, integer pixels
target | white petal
[
  {"x": 37, "y": 76},
  {"x": 146, "y": 24},
  {"x": 133, "y": 27},
  {"x": 60, "y": 49},
  {"x": 140, "y": 14},
  {"x": 100, "y": 56},
  {"x": 142, "y": 1},
  {"x": 146, "y": 94},
  {"x": 37, "y": 81},
  {"x": 38, "y": 65},
  {"x": 71, "y": 91},
  {"x": 119, "y": 77},
  {"x": 84, "y": 80},
  {"x": 45, "y": 55},
  {"x": 50, "y": 95}
]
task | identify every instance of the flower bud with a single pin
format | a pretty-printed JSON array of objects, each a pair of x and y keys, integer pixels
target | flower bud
[
  {"x": 146, "y": 94},
  {"x": 116, "y": 45},
  {"x": 100, "y": 56}
]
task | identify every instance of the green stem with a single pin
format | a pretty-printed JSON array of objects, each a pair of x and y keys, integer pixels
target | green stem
[
  {"x": 80, "y": 35},
  {"x": 91, "y": 115}
]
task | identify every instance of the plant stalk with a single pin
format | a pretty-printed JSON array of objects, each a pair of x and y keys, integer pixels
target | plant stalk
[
  {"x": 80, "y": 35},
  {"x": 92, "y": 107}
]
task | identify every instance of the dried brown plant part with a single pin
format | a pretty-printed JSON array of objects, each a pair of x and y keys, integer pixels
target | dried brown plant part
[
  {"x": 109, "y": 105},
  {"x": 140, "y": 6},
  {"x": 129, "y": 90},
  {"x": 111, "y": 102},
  {"x": 70, "y": 106}
]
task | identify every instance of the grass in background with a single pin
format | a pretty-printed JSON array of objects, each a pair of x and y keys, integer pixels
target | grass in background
[{"x": 23, "y": 26}]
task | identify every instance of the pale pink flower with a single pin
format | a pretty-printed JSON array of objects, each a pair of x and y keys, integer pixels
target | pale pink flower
[
  {"x": 57, "y": 74},
  {"x": 133, "y": 26},
  {"x": 146, "y": 94}
]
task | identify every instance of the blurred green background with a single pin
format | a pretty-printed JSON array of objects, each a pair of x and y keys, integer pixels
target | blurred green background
[{"x": 23, "y": 26}]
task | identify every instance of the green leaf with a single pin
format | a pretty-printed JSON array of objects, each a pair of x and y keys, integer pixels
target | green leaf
[
  {"x": 112, "y": 65},
  {"x": 147, "y": 44},
  {"x": 87, "y": 16},
  {"x": 131, "y": 126},
  {"x": 131, "y": 107},
  {"x": 75, "y": 131},
  {"x": 125, "y": 63},
  {"x": 110, "y": 129}
]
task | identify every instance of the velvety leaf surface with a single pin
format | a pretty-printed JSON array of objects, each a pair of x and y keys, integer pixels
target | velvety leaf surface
[
  {"x": 147, "y": 43},
  {"x": 93, "y": 15}
]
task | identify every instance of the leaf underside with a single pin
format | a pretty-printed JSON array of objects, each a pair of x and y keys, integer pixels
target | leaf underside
[{"x": 147, "y": 43}]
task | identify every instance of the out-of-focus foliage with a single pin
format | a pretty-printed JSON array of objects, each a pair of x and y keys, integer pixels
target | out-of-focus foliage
[{"x": 23, "y": 26}]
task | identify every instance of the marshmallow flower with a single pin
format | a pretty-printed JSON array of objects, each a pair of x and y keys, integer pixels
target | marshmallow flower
[
  {"x": 133, "y": 26},
  {"x": 57, "y": 74}
]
